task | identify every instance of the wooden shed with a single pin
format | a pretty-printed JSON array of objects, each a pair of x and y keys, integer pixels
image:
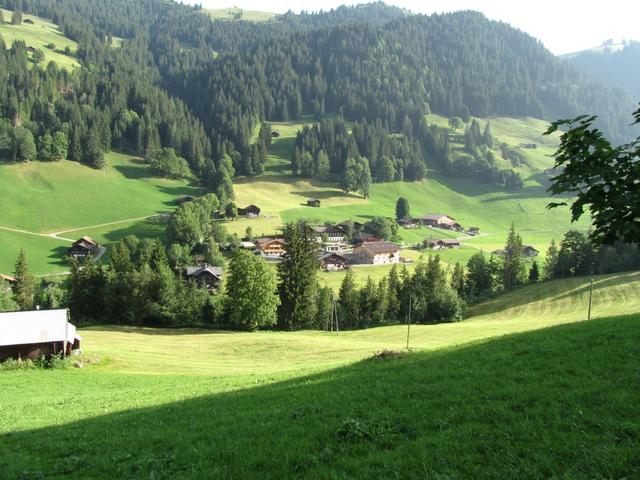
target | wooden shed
[
  {"x": 32, "y": 334},
  {"x": 313, "y": 202}
]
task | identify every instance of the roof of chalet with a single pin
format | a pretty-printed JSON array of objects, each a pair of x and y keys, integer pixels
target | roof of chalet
[
  {"x": 326, "y": 255},
  {"x": 7, "y": 278},
  {"x": 86, "y": 241},
  {"x": 435, "y": 216},
  {"x": 35, "y": 326},
  {"x": 260, "y": 242},
  {"x": 380, "y": 247},
  {"x": 197, "y": 271},
  {"x": 445, "y": 241}
]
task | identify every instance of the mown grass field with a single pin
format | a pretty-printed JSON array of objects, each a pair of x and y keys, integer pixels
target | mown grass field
[
  {"x": 557, "y": 402},
  {"x": 63, "y": 196},
  {"x": 234, "y": 13},
  {"x": 38, "y": 35}
]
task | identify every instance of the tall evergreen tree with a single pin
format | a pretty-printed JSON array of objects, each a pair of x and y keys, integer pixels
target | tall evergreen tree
[
  {"x": 512, "y": 259},
  {"x": 24, "y": 288},
  {"x": 297, "y": 273},
  {"x": 348, "y": 300}
]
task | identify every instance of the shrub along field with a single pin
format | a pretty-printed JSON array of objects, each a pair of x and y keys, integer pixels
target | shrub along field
[
  {"x": 183, "y": 403},
  {"x": 39, "y": 35}
]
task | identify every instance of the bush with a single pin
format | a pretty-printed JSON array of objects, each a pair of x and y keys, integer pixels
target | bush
[{"x": 53, "y": 362}]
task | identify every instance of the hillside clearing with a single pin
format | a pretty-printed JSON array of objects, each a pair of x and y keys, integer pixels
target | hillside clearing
[{"x": 38, "y": 35}]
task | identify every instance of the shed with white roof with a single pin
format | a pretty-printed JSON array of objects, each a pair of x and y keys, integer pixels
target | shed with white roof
[{"x": 35, "y": 333}]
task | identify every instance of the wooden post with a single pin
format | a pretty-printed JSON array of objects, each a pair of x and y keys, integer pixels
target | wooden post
[
  {"x": 590, "y": 299},
  {"x": 66, "y": 332},
  {"x": 409, "y": 323}
]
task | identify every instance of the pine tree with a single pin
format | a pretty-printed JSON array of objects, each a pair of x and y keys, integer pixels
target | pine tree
[
  {"x": 297, "y": 274},
  {"x": 348, "y": 299},
  {"x": 512, "y": 259},
  {"x": 24, "y": 287},
  {"x": 551, "y": 261},
  {"x": 457, "y": 279},
  {"x": 534, "y": 272}
]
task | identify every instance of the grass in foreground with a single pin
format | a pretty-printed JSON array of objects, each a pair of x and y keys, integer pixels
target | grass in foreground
[{"x": 559, "y": 402}]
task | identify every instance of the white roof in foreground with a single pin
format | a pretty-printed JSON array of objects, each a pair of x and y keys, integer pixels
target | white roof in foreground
[{"x": 36, "y": 326}]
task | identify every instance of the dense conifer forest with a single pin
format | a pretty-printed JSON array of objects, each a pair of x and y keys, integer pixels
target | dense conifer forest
[{"x": 200, "y": 87}]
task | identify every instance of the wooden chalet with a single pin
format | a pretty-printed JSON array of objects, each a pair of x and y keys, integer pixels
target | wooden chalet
[
  {"x": 440, "y": 244},
  {"x": 205, "y": 276},
  {"x": 313, "y": 202},
  {"x": 437, "y": 220},
  {"x": 408, "y": 222},
  {"x": 332, "y": 237},
  {"x": 332, "y": 261},
  {"x": 352, "y": 225},
  {"x": 83, "y": 247},
  {"x": 271, "y": 247},
  {"x": 37, "y": 333},
  {"x": 250, "y": 211},
  {"x": 377, "y": 253}
]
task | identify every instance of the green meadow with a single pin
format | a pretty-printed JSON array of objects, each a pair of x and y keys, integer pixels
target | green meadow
[
  {"x": 39, "y": 35},
  {"x": 525, "y": 388},
  {"x": 73, "y": 200},
  {"x": 234, "y": 13}
]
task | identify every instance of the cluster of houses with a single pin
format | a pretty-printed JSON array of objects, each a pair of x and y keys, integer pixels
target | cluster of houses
[
  {"x": 437, "y": 220},
  {"x": 341, "y": 245}
]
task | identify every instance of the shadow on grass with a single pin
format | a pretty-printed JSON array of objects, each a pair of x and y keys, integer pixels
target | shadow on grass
[
  {"x": 60, "y": 256},
  {"x": 515, "y": 407}
]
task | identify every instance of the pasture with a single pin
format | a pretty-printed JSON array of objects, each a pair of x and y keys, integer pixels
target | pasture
[
  {"x": 484, "y": 398},
  {"x": 72, "y": 200},
  {"x": 39, "y": 35},
  {"x": 235, "y": 13}
]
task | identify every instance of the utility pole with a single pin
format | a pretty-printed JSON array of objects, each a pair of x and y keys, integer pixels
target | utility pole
[
  {"x": 409, "y": 323},
  {"x": 590, "y": 299}
]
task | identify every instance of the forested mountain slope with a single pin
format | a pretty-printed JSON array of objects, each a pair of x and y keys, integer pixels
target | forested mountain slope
[
  {"x": 615, "y": 67},
  {"x": 202, "y": 87}
]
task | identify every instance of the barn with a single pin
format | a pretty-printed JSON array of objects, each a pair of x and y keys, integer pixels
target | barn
[{"x": 32, "y": 334}]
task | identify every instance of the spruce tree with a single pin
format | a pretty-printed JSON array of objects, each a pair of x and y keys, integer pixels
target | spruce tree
[
  {"x": 297, "y": 273},
  {"x": 349, "y": 304},
  {"x": 24, "y": 287},
  {"x": 551, "y": 261},
  {"x": 457, "y": 279},
  {"x": 534, "y": 272},
  {"x": 512, "y": 259}
]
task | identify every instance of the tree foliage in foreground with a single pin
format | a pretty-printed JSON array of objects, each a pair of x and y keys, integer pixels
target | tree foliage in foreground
[{"x": 604, "y": 179}]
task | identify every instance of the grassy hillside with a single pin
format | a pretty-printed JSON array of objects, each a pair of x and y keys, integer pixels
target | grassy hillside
[
  {"x": 73, "y": 200},
  {"x": 515, "y": 407},
  {"x": 38, "y": 35},
  {"x": 235, "y": 13},
  {"x": 282, "y": 197}
]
